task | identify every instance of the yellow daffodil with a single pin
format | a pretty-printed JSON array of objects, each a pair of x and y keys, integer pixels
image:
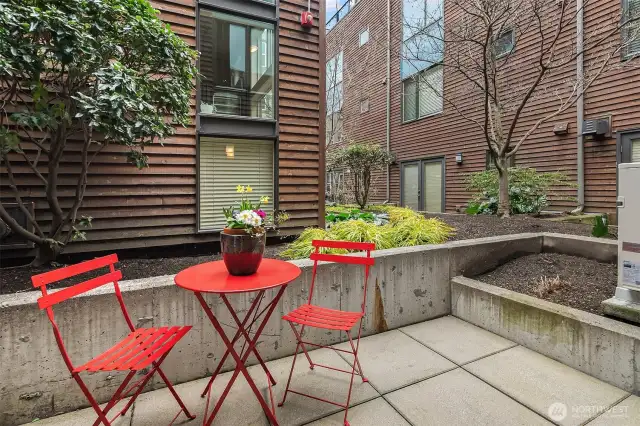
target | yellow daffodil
[
  {"x": 240, "y": 189},
  {"x": 249, "y": 189},
  {"x": 264, "y": 200}
]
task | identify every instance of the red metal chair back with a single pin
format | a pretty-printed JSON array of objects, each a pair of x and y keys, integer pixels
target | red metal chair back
[
  {"x": 367, "y": 261},
  {"x": 48, "y": 300}
]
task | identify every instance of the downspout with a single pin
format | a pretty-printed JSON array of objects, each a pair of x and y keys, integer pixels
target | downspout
[
  {"x": 388, "y": 81},
  {"x": 580, "y": 103}
]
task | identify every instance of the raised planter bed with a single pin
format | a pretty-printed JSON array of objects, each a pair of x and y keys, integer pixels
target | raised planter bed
[{"x": 601, "y": 347}]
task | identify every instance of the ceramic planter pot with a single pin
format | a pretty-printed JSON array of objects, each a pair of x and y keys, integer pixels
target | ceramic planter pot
[{"x": 242, "y": 252}]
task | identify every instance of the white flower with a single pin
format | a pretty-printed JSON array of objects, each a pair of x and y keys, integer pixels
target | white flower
[{"x": 249, "y": 217}]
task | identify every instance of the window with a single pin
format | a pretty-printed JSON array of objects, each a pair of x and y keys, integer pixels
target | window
[
  {"x": 490, "y": 163},
  {"x": 237, "y": 66},
  {"x": 364, "y": 105},
  {"x": 334, "y": 84},
  {"x": 631, "y": 32},
  {"x": 364, "y": 37},
  {"x": 422, "y": 94},
  {"x": 422, "y": 37},
  {"x": 226, "y": 163},
  {"x": 504, "y": 44}
]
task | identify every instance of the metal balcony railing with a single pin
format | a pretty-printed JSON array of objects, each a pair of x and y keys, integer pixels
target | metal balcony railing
[{"x": 341, "y": 13}]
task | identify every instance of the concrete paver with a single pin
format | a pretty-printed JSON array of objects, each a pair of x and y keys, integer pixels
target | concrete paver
[
  {"x": 546, "y": 386},
  {"x": 457, "y": 340},
  {"x": 625, "y": 413},
  {"x": 375, "y": 412},
  {"x": 396, "y": 352},
  {"x": 459, "y": 398},
  {"x": 86, "y": 417},
  {"x": 496, "y": 385}
]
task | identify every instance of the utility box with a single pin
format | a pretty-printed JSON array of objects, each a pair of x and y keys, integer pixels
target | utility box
[
  {"x": 629, "y": 226},
  {"x": 626, "y": 303}
]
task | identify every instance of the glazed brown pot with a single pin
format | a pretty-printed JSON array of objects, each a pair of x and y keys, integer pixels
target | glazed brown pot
[{"x": 242, "y": 252}]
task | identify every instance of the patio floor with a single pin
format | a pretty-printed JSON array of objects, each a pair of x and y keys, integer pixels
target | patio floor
[{"x": 439, "y": 372}]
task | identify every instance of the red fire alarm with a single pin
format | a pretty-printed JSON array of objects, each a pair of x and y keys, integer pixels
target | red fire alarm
[{"x": 306, "y": 19}]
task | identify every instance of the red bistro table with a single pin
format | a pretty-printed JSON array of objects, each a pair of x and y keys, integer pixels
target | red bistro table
[{"x": 213, "y": 277}]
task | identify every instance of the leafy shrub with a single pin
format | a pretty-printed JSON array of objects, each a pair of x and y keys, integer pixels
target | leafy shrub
[
  {"x": 361, "y": 159},
  {"x": 600, "y": 226},
  {"x": 301, "y": 248},
  {"x": 378, "y": 219},
  {"x": 529, "y": 190}
]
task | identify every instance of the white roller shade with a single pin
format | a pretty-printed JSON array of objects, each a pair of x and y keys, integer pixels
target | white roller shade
[
  {"x": 432, "y": 175},
  {"x": 411, "y": 186},
  {"x": 220, "y": 174},
  {"x": 410, "y": 103},
  {"x": 635, "y": 150}
]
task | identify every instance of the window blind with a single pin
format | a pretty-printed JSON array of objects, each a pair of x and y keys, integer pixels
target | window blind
[
  {"x": 631, "y": 32},
  {"x": 411, "y": 186},
  {"x": 220, "y": 173},
  {"x": 635, "y": 151},
  {"x": 410, "y": 106},
  {"x": 432, "y": 175},
  {"x": 430, "y": 91}
]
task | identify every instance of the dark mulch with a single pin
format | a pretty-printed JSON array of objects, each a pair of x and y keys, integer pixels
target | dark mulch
[
  {"x": 18, "y": 279},
  {"x": 479, "y": 226},
  {"x": 584, "y": 282}
]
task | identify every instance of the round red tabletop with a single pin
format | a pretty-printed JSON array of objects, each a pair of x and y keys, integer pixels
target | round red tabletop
[{"x": 213, "y": 277}]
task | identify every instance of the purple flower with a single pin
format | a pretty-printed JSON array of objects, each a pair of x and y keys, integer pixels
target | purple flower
[{"x": 261, "y": 213}]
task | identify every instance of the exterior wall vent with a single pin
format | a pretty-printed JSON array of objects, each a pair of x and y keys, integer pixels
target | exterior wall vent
[
  {"x": 9, "y": 240},
  {"x": 598, "y": 128}
]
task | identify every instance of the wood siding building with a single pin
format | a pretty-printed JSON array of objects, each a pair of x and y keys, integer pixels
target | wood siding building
[
  {"x": 439, "y": 137},
  {"x": 164, "y": 204}
]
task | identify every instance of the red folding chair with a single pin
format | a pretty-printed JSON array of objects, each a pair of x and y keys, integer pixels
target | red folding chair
[
  {"x": 140, "y": 349},
  {"x": 330, "y": 319}
]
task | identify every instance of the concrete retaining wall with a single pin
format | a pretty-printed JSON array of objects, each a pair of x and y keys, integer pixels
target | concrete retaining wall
[
  {"x": 408, "y": 285},
  {"x": 599, "y": 346}
]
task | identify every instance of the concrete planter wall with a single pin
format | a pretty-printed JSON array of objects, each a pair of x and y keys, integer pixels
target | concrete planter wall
[
  {"x": 601, "y": 347},
  {"x": 408, "y": 285}
]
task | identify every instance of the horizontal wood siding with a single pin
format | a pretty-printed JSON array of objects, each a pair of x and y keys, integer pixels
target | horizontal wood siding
[
  {"x": 616, "y": 93},
  {"x": 301, "y": 192},
  {"x": 157, "y": 206}
]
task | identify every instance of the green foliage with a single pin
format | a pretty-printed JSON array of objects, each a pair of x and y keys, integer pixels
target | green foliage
[
  {"x": 405, "y": 228},
  {"x": 360, "y": 231},
  {"x": 529, "y": 190},
  {"x": 361, "y": 159},
  {"x": 419, "y": 230},
  {"x": 97, "y": 71},
  {"x": 600, "y": 226}
]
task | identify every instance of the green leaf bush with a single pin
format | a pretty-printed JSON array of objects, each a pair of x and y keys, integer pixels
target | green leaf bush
[
  {"x": 529, "y": 190},
  {"x": 405, "y": 228}
]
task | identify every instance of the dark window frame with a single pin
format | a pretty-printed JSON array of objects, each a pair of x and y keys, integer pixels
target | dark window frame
[
  {"x": 513, "y": 43},
  {"x": 417, "y": 95}
]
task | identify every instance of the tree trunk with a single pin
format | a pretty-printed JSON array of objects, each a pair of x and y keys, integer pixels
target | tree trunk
[
  {"x": 46, "y": 253},
  {"x": 504, "y": 209}
]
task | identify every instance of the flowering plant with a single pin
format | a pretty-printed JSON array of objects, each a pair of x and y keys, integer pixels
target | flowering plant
[{"x": 247, "y": 215}]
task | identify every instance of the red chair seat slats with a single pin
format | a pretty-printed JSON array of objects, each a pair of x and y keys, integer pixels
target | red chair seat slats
[
  {"x": 319, "y": 317},
  {"x": 136, "y": 351},
  {"x": 142, "y": 348}
]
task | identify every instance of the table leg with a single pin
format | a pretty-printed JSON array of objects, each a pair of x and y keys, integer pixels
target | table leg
[
  {"x": 240, "y": 361},
  {"x": 255, "y": 303}
]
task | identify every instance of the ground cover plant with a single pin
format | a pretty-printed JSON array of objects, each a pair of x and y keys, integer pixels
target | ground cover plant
[{"x": 404, "y": 228}]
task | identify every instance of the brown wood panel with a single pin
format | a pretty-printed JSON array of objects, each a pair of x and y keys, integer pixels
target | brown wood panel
[
  {"x": 616, "y": 94},
  {"x": 157, "y": 206}
]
